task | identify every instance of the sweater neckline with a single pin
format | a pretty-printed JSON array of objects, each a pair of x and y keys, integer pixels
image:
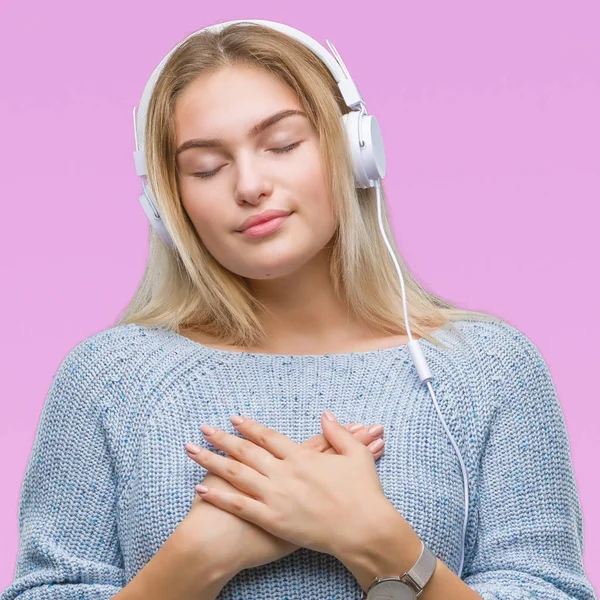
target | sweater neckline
[{"x": 381, "y": 352}]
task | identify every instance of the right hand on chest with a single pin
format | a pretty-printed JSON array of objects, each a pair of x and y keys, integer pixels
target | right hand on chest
[{"x": 241, "y": 544}]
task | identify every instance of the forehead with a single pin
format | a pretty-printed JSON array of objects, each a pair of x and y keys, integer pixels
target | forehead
[
  {"x": 231, "y": 95},
  {"x": 233, "y": 104}
]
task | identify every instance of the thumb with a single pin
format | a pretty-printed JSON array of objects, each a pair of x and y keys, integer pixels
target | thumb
[{"x": 337, "y": 435}]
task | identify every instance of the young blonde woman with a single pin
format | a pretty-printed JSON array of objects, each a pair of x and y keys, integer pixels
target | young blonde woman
[{"x": 140, "y": 486}]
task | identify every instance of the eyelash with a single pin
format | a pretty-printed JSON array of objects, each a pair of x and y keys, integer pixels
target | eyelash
[{"x": 283, "y": 150}]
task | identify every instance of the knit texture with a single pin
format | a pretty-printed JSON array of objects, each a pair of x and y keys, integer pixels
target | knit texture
[{"x": 108, "y": 478}]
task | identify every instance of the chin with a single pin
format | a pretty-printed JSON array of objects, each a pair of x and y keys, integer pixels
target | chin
[
  {"x": 274, "y": 267},
  {"x": 276, "y": 272}
]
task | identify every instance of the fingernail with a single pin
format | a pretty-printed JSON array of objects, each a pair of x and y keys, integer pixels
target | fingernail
[
  {"x": 329, "y": 415},
  {"x": 207, "y": 429},
  {"x": 236, "y": 420},
  {"x": 192, "y": 448},
  {"x": 375, "y": 430},
  {"x": 376, "y": 445},
  {"x": 355, "y": 427}
]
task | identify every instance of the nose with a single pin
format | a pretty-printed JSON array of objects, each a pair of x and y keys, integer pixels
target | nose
[{"x": 251, "y": 183}]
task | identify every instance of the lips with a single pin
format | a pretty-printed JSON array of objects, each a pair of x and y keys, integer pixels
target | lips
[
  {"x": 266, "y": 228},
  {"x": 262, "y": 217}
]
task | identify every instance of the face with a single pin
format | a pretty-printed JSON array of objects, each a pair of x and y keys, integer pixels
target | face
[{"x": 246, "y": 173}]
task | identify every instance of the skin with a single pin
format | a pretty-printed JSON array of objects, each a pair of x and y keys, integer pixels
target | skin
[{"x": 241, "y": 544}]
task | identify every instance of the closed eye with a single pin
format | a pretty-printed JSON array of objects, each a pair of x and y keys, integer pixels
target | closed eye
[
  {"x": 283, "y": 150},
  {"x": 286, "y": 148}
]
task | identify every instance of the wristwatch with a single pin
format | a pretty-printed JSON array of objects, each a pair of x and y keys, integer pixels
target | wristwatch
[{"x": 407, "y": 586}]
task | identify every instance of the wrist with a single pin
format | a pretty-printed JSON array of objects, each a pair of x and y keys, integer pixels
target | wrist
[
  {"x": 388, "y": 546},
  {"x": 218, "y": 566}
]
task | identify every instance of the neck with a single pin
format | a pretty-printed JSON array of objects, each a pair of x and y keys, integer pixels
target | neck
[{"x": 303, "y": 305}]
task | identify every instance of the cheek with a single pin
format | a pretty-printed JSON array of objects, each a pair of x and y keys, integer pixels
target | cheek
[
  {"x": 211, "y": 232},
  {"x": 318, "y": 210},
  {"x": 312, "y": 192},
  {"x": 316, "y": 206},
  {"x": 208, "y": 224}
]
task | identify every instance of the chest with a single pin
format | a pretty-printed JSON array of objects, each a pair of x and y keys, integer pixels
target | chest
[{"x": 419, "y": 471}]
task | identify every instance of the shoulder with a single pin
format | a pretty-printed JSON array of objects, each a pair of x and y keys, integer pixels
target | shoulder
[
  {"x": 120, "y": 338},
  {"x": 108, "y": 349},
  {"x": 491, "y": 361},
  {"x": 123, "y": 354},
  {"x": 110, "y": 374},
  {"x": 508, "y": 367},
  {"x": 507, "y": 350},
  {"x": 484, "y": 335},
  {"x": 493, "y": 345}
]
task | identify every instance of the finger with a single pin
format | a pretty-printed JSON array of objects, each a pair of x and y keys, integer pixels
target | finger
[
  {"x": 376, "y": 446},
  {"x": 243, "y": 450},
  {"x": 244, "y": 507},
  {"x": 367, "y": 435},
  {"x": 236, "y": 473},
  {"x": 319, "y": 442},
  {"x": 339, "y": 437},
  {"x": 376, "y": 453},
  {"x": 363, "y": 435},
  {"x": 272, "y": 441},
  {"x": 353, "y": 427}
]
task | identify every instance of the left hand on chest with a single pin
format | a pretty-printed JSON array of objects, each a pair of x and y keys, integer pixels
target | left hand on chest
[{"x": 315, "y": 500}]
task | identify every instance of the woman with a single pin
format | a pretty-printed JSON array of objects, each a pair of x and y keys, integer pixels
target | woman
[{"x": 280, "y": 323}]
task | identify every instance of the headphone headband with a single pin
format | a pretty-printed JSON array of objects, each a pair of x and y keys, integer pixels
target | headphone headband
[{"x": 348, "y": 88}]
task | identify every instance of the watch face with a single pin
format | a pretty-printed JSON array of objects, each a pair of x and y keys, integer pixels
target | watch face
[{"x": 391, "y": 590}]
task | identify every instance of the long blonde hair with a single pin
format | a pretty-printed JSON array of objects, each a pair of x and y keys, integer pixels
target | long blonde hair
[{"x": 187, "y": 288}]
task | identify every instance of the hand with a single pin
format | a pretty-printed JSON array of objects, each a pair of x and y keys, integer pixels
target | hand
[
  {"x": 304, "y": 497},
  {"x": 242, "y": 544}
]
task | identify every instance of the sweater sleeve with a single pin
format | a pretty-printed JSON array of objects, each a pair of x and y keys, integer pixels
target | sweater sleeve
[
  {"x": 529, "y": 541},
  {"x": 69, "y": 546}
]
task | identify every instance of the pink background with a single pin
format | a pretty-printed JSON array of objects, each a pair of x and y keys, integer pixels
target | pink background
[{"x": 489, "y": 113}]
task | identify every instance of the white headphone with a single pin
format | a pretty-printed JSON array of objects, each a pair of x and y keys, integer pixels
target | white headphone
[{"x": 368, "y": 164}]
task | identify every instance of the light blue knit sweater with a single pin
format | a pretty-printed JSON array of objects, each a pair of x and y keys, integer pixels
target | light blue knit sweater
[{"x": 108, "y": 479}]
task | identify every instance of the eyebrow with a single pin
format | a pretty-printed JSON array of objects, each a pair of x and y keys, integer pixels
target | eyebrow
[{"x": 256, "y": 129}]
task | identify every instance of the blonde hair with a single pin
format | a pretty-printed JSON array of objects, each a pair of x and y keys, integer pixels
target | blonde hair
[{"x": 187, "y": 288}]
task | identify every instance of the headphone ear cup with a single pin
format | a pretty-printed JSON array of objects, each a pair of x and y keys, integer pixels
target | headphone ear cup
[
  {"x": 148, "y": 204},
  {"x": 368, "y": 161}
]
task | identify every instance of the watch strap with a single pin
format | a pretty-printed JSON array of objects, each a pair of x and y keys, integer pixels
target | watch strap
[
  {"x": 416, "y": 578},
  {"x": 423, "y": 569}
]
